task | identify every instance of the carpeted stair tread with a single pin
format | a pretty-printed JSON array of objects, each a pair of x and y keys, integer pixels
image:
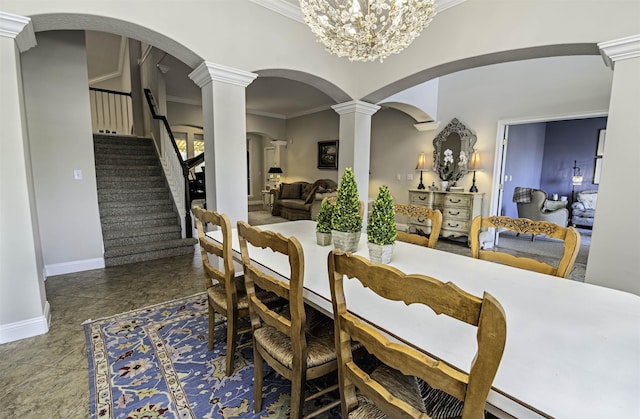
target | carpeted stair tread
[
  {"x": 112, "y": 219},
  {"x": 141, "y": 204},
  {"x": 122, "y": 150},
  {"x": 116, "y": 233},
  {"x": 139, "y": 182},
  {"x": 122, "y": 138},
  {"x": 149, "y": 247},
  {"x": 135, "y": 209},
  {"x": 141, "y": 257},
  {"x": 133, "y": 240}
]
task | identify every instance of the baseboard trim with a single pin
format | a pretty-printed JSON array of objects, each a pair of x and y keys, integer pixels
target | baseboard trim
[
  {"x": 26, "y": 328},
  {"x": 75, "y": 266}
]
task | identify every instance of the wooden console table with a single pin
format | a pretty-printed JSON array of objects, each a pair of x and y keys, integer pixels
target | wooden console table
[{"x": 458, "y": 210}]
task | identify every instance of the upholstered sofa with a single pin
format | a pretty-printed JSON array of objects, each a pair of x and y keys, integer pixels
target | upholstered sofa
[
  {"x": 301, "y": 200},
  {"x": 584, "y": 209}
]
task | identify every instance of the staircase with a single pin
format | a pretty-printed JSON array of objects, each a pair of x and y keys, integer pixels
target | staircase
[{"x": 138, "y": 216}]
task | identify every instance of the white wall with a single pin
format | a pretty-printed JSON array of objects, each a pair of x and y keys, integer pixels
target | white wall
[
  {"x": 300, "y": 159},
  {"x": 395, "y": 148},
  {"x": 54, "y": 73},
  {"x": 613, "y": 256}
]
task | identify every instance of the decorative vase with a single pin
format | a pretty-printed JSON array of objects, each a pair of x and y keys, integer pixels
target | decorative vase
[
  {"x": 323, "y": 239},
  {"x": 346, "y": 241},
  {"x": 380, "y": 253},
  {"x": 443, "y": 185}
]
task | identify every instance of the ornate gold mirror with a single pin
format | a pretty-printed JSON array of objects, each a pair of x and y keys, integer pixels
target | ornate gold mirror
[{"x": 453, "y": 147}]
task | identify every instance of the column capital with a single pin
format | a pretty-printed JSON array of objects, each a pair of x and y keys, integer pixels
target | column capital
[
  {"x": 620, "y": 49},
  {"x": 355, "y": 106},
  {"x": 19, "y": 28},
  {"x": 207, "y": 72}
]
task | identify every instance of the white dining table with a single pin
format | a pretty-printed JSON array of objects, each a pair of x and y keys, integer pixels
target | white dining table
[{"x": 572, "y": 349}]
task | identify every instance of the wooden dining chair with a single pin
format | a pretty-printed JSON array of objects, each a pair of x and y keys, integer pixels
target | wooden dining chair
[
  {"x": 298, "y": 344},
  {"x": 422, "y": 214},
  {"x": 410, "y": 383},
  {"x": 225, "y": 290},
  {"x": 569, "y": 235}
]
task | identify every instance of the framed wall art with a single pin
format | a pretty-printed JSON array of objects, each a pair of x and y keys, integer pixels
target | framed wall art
[
  {"x": 328, "y": 155},
  {"x": 597, "y": 168}
]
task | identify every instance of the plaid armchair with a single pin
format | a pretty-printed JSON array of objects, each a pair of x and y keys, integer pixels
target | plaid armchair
[{"x": 532, "y": 205}]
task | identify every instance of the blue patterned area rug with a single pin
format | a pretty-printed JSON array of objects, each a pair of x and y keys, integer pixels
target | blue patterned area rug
[{"x": 153, "y": 363}]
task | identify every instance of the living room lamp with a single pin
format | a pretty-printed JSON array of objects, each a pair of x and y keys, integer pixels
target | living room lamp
[
  {"x": 275, "y": 172},
  {"x": 577, "y": 176},
  {"x": 474, "y": 165},
  {"x": 422, "y": 165}
]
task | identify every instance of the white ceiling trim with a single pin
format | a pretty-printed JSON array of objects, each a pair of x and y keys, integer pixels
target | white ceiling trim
[
  {"x": 183, "y": 100},
  {"x": 310, "y": 111},
  {"x": 118, "y": 72},
  {"x": 267, "y": 114},
  {"x": 19, "y": 28},
  {"x": 293, "y": 12},
  {"x": 620, "y": 49},
  {"x": 283, "y": 7}
]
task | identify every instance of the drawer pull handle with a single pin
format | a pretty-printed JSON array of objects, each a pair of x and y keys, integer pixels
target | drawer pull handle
[
  {"x": 455, "y": 202},
  {"x": 422, "y": 198},
  {"x": 451, "y": 213},
  {"x": 450, "y": 225},
  {"x": 421, "y": 220}
]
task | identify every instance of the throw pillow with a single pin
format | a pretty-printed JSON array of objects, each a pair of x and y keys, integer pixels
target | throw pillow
[
  {"x": 290, "y": 191},
  {"x": 311, "y": 196},
  {"x": 588, "y": 200}
]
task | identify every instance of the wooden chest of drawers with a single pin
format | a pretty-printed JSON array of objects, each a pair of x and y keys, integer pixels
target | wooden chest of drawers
[{"x": 458, "y": 210}]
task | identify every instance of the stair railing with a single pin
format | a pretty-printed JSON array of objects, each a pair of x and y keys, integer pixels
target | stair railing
[
  {"x": 111, "y": 111},
  {"x": 177, "y": 167}
]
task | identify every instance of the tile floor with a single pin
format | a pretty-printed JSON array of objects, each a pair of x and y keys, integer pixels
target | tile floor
[{"x": 47, "y": 376}]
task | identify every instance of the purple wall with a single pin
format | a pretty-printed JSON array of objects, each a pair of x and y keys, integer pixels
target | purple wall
[
  {"x": 541, "y": 156},
  {"x": 523, "y": 167},
  {"x": 566, "y": 141}
]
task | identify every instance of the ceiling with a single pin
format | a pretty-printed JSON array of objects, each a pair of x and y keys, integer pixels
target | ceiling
[{"x": 275, "y": 97}]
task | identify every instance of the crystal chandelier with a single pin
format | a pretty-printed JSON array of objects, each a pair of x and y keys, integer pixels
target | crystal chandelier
[{"x": 367, "y": 30}]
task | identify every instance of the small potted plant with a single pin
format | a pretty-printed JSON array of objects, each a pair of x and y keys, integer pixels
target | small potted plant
[
  {"x": 346, "y": 220},
  {"x": 323, "y": 225},
  {"x": 381, "y": 229}
]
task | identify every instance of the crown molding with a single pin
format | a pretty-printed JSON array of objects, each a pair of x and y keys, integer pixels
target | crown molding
[
  {"x": 118, "y": 72},
  {"x": 207, "y": 72},
  {"x": 620, "y": 49},
  {"x": 293, "y": 12},
  {"x": 427, "y": 126},
  {"x": 184, "y": 100},
  {"x": 355, "y": 106},
  {"x": 19, "y": 28},
  {"x": 283, "y": 7},
  {"x": 266, "y": 114}
]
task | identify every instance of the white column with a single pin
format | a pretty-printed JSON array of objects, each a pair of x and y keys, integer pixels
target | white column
[
  {"x": 24, "y": 311},
  {"x": 225, "y": 132},
  {"x": 355, "y": 143},
  {"x": 613, "y": 257}
]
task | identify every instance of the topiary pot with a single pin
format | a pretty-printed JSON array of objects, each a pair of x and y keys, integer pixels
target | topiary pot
[
  {"x": 345, "y": 241},
  {"x": 323, "y": 239},
  {"x": 380, "y": 253}
]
